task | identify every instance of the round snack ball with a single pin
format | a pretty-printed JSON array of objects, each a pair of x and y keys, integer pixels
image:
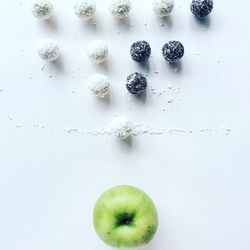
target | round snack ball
[
  {"x": 201, "y": 8},
  {"x": 120, "y": 8},
  {"x": 173, "y": 51},
  {"x": 97, "y": 51},
  {"x": 136, "y": 83},
  {"x": 49, "y": 50},
  {"x": 43, "y": 9},
  {"x": 85, "y": 9},
  {"x": 99, "y": 85},
  {"x": 140, "y": 51},
  {"x": 122, "y": 127},
  {"x": 163, "y": 8}
]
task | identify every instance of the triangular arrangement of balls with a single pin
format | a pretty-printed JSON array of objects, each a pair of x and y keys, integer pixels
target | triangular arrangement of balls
[{"x": 124, "y": 216}]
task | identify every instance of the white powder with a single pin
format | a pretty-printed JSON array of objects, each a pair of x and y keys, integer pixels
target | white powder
[
  {"x": 226, "y": 130},
  {"x": 207, "y": 129}
]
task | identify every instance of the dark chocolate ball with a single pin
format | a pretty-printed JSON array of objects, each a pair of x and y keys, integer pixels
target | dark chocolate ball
[
  {"x": 136, "y": 83},
  {"x": 173, "y": 51},
  {"x": 140, "y": 51},
  {"x": 201, "y": 8}
]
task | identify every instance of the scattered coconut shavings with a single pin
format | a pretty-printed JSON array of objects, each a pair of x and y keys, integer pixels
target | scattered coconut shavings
[
  {"x": 101, "y": 131},
  {"x": 71, "y": 130},
  {"x": 140, "y": 129},
  {"x": 207, "y": 129},
  {"x": 137, "y": 129},
  {"x": 227, "y": 130},
  {"x": 156, "y": 92},
  {"x": 43, "y": 67},
  {"x": 180, "y": 130}
]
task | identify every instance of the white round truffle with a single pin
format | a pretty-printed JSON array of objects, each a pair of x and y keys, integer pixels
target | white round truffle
[
  {"x": 49, "y": 50},
  {"x": 85, "y": 9},
  {"x": 99, "y": 85},
  {"x": 163, "y": 8},
  {"x": 122, "y": 127},
  {"x": 43, "y": 9},
  {"x": 97, "y": 51},
  {"x": 120, "y": 8}
]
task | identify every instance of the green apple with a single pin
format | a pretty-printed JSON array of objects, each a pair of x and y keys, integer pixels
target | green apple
[{"x": 125, "y": 217}]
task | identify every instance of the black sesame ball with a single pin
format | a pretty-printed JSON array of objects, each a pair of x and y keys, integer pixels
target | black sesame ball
[
  {"x": 173, "y": 51},
  {"x": 140, "y": 51},
  {"x": 136, "y": 83},
  {"x": 201, "y": 8}
]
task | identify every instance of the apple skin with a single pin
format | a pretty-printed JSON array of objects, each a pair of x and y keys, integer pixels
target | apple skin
[{"x": 125, "y": 217}]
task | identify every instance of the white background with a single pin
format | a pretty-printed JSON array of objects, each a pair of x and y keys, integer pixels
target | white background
[{"x": 50, "y": 179}]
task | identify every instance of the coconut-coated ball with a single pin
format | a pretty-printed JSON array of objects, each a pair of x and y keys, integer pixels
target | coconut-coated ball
[
  {"x": 120, "y": 8},
  {"x": 43, "y": 9},
  {"x": 163, "y": 8},
  {"x": 140, "y": 51},
  {"x": 97, "y": 51},
  {"x": 136, "y": 83},
  {"x": 85, "y": 9},
  {"x": 173, "y": 51},
  {"x": 99, "y": 85},
  {"x": 201, "y": 8},
  {"x": 49, "y": 50},
  {"x": 122, "y": 127}
]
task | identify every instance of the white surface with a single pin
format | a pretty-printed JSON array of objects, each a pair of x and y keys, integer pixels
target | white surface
[{"x": 50, "y": 180}]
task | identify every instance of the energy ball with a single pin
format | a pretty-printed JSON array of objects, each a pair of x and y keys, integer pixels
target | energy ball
[
  {"x": 86, "y": 9},
  {"x": 173, "y": 51},
  {"x": 99, "y": 85},
  {"x": 43, "y": 9},
  {"x": 201, "y": 8},
  {"x": 97, "y": 51},
  {"x": 136, "y": 83},
  {"x": 140, "y": 51},
  {"x": 163, "y": 8},
  {"x": 120, "y": 8},
  {"x": 122, "y": 128},
  {"x": 49, "y": 50}
]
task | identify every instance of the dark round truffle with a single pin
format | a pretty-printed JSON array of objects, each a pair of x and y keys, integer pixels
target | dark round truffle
[
  {"x": 201, "y": 8},
  {"x": 140, "y": 51},
  {"x": 136, "y": 83},
  {"x": 173, "y": 51}
]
